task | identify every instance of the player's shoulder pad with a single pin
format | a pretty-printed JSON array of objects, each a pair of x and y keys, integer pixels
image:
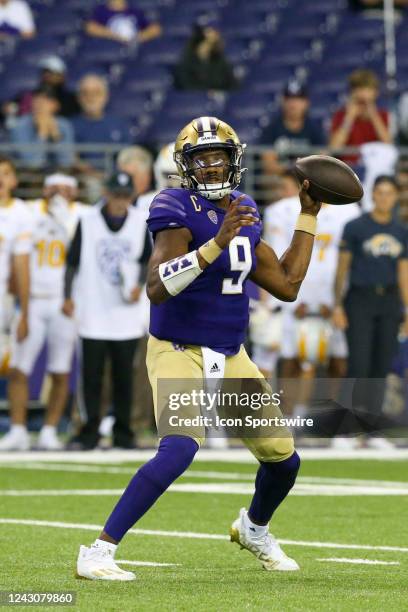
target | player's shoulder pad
[{"x": 171, "y": 200}]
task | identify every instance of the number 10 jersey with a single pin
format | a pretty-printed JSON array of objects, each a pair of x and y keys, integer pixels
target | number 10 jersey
[{"x": 213, "y": 310}]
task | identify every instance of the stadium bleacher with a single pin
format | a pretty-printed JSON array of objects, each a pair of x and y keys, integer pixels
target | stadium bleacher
[{"x": 279, "y": 38}]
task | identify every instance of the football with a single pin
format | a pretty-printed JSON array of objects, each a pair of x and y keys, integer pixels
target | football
[{"x": 331, "y": 180}]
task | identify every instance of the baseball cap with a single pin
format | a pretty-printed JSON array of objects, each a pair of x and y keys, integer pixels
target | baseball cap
[
  {"x": 295, "y": 89},
  {"x": 53, "y": 63},
  {"x": 120, "y": 182}
]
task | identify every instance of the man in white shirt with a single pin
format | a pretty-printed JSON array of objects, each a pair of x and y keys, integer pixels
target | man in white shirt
[
  {"x": 16, "y": 19},
  {"x": 54, "y": 219},
  {"x": 106, "y": 256}
]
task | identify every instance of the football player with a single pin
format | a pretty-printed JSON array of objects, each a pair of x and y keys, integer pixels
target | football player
[
  {"x": 54, "y": 219},
  {"x": 15, "y": 246},
  {"x": 308, "y": 318},
  {"x": 207, "y": 242}
]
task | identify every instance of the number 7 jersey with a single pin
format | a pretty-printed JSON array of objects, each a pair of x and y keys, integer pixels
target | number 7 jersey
[{"x": 213, "y": 310}]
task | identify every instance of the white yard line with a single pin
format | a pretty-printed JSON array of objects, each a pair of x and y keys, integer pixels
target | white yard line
[
  {"x": 221, "y": 488},
  {"x": 93, "y": 469},
  {"x": 195, "y": 535},
  {"x": 227, "y": 456},
  {"x": 359, "y": 561}
]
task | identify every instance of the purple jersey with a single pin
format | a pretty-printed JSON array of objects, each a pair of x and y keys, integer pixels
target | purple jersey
[
  {"x": 126, "y": 23},
  {"x": 213, "y": 310}
]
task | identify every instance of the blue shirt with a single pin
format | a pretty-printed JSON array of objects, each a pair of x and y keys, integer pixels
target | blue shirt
[
  {"x": 280, "y": 137},
  {"x": 110, "y": 129},
  {"x": 376, "y": 249},
  {"x": 213, "y": 310},
  {"x": 25, "y": 132}
]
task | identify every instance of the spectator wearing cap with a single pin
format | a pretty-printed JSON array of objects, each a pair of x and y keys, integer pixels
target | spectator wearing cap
[
  {"x": 94, "y": 125},
  {"x": 117, "y": 20},
  {"x": 360, "y": 121},
  {"x": 108, "y": 254},
  {"x": 291, "y": 132},
  {"x": 40, "y": 129},
  {"x": 203, "y": 64},
  {"x": 16, "y": 19},
  {"x": 53, "y": 70}
]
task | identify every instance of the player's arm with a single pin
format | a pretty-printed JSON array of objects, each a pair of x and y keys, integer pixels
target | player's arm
[
  {"x": 173, "y": 267},
  {"x": 21, "y": 277},
  {"x": 283, "y": 277},
  {"x": 71, "y": 267},
  {"x": 344, "y": 261}
]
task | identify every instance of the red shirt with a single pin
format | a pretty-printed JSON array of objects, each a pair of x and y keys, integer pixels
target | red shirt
[{"x": 362, "y": 130}]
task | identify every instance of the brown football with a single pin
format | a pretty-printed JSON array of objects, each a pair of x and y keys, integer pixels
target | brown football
[{"x": 331, "y": 180}]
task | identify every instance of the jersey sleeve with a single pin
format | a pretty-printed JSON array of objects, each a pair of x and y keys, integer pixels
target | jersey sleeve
[
  {"x": 23, "y": 239},
  {"x": 167, "y": 211}
]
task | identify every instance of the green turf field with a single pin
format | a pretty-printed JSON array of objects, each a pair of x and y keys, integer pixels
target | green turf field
[{"x": 333, "y": 514}]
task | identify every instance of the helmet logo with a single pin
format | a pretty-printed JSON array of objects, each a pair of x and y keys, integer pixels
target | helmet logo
[{"x": 212, "y": 215}]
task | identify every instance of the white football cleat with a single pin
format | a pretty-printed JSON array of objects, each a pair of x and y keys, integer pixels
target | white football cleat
[
  {"x": 265, "y": 548},
  {"x": 378, "y": 443},
  {"x": 48, "y": 440},
  {"x": 17, "y": 439},
  {"x": 97, "y": 563}
]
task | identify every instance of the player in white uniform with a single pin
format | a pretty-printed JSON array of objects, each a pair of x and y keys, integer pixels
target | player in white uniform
[
  {"x": 15, "y": 246},
  {"x": 54, "y": 220},
  {"x": 316, "y": 296}
]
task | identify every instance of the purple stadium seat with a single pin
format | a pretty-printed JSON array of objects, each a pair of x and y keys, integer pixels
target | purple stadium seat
[
  {"x": 102, "y": 51},
  {"x": 139, "y": 78},
  {"x": 35, "y": 49},
  {"x": 128, "y": 107},
  {"x": 190, "y": 104},
  {"x": 248, "y": 105},
  {"x": 164, "y": 51},
  {"x": 58, "y": 21}
]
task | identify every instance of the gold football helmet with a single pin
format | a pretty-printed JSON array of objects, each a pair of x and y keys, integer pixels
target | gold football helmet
[{"x": 202, "y": 134}]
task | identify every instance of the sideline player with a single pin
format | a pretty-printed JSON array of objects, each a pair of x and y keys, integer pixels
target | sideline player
[
  {"x": 54, "y": 220},
  {"x": 199, "y": 314},
  {"x": 15, "y": 247},
  {"x": 315, "y": 298}
]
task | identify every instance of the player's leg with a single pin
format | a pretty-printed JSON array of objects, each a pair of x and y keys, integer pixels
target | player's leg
[
  {"x": 61, "y": 338},
  {"x": 93, "y": 358},
  {"x": 173, "y": 457},
  {"x": 122, "y": 358},
  {"x": 278, "y": 467},
  {"x": 23, "y": 357}
]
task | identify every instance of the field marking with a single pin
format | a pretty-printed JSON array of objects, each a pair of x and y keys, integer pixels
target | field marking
[
  {"x": 206, "y": 455},
  {"x": 195, "y": 535},
  {"x": 222, "y": 488},
  {"x": 146, "y": 563},
  {"x": 359, "y": 561},
  {"x": 93, "y": 469}
]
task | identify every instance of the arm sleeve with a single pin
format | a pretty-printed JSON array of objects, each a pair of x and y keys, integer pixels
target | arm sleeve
[{"x": 167, "y": 211}]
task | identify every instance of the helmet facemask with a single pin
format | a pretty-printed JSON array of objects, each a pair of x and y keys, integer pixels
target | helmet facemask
[{"x": 195, "y": 171}]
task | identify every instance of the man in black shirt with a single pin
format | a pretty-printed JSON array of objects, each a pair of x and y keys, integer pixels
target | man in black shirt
[{"x": 374, "y": 253}]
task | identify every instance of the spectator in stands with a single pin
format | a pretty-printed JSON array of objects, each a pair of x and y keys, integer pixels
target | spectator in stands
[
  {"x": 203, "y": 64},
  {"x": 94, "y": 125},
  {"x": 16, "y": 19},
  {"x": 292, "y": 132},
  {"x": 138, "y": 163},
  {"x": 360, "y": 121},
  {"x": 116, "y": 20},
  {"x": 52, "y": 75},
  {"x": 41, "y": 128}
]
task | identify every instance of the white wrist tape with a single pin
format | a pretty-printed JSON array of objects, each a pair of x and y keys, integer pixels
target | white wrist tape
[{"x": 176, "y": 274}]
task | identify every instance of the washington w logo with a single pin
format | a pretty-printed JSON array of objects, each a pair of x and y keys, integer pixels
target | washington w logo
[{"x": 109, "y": 253}]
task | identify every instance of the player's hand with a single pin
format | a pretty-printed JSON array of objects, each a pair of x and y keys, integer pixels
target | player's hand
[
  {"x": 135, "y": 295},
  {"x": 308, "y": 205},
  {"x": 301, "y": 311},
  {"x": 237, "y": 216},
  {"x": 68, "y": 308},
  {"x": 22, "y": 329},
  {"x": 339, "y": 318},
  {"x": 325, "y": 311}
]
